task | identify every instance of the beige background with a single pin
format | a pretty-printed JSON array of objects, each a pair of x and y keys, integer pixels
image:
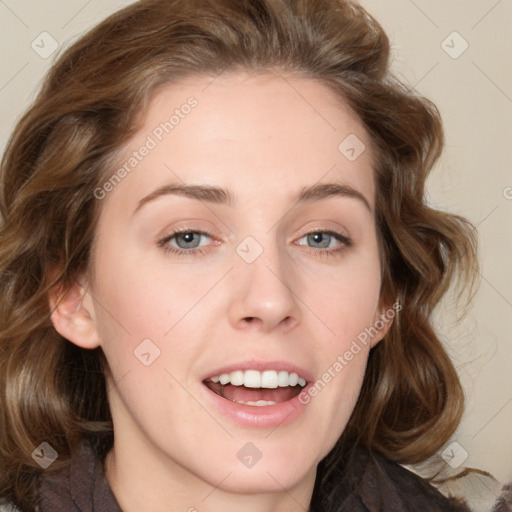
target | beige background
[{"x": 474, "y": 178}]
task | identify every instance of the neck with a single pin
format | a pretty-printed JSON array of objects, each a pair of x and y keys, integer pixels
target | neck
[{"x": 142, "y": 481}]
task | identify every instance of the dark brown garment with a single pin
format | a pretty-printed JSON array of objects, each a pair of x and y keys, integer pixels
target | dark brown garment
[
  {"x": 504, "y": 503},
  {"x": 79, "y": 487},
  {"x": 373, "y": 484}
]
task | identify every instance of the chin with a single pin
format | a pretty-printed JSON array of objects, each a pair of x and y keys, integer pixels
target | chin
[
  {"x": 251, "y": 481},
  {"x": 268, "y": 474}
]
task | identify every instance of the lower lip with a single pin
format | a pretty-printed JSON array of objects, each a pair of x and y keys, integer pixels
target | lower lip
[{"x": 266, "y": 416}]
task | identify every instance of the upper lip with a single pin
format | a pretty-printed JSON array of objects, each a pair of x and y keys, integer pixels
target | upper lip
[{"x": 261, "y": 366}]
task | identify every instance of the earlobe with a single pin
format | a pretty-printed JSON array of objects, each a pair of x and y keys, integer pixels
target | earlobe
[
  {"x": 383, "y": 321},
  {"x": 72, "y": 315}
]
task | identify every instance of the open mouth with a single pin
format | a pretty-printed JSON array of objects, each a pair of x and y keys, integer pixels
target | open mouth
[{"x": 252, "y": 387}]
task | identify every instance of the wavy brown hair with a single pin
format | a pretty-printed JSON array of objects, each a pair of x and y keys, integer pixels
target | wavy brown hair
[{"x": 63, "y": 148}]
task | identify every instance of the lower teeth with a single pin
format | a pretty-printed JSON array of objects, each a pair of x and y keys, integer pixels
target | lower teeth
[{"x": 259, "y": 403}]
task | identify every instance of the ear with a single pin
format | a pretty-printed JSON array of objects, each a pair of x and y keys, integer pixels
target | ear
[
  {"x": 73, "y": 315},
  {"x": 384, "y": 317}
]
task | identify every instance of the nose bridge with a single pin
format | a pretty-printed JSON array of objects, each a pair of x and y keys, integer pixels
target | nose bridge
[{"x": 263, "y": 293}]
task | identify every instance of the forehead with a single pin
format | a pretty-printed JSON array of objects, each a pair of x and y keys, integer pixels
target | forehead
[{"x": 256, "y": 134}]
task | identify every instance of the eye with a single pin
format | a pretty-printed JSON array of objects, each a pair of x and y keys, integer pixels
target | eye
[
  {"x": 189, "y": 242},
  {"x": 184, "y": 242},
  {"x": 328, "y": 243}
]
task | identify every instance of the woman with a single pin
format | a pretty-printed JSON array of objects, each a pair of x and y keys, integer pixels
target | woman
[{"x": 219, "y": 269}]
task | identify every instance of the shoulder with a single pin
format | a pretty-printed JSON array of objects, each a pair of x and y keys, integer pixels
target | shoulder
[
  {"x": 369, "y": 482},
  {"x": 391, "y": 485},
  {"x": 409, "y": 488},
  {"x": 79, "y": 485}
]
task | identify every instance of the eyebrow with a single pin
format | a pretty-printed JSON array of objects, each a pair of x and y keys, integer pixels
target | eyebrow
[{"x": 216, "y": 195}]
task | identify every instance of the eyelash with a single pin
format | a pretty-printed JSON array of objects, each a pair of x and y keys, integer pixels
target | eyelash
[
  {"x": 168, "y": 249},
  {"x": 164, "y": 243}
]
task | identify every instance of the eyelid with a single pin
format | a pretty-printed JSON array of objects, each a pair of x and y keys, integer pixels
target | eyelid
[
  {"x": 339, "y": 231},
  {"x": 164, "y": 241},
  {"x": 166, "y": 238},
  {"x": 188, "y": 226},
  {"x": 344, "y": 240}
]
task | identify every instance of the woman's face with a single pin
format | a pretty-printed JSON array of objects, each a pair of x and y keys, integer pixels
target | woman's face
[{"x": 276, "y": 271}]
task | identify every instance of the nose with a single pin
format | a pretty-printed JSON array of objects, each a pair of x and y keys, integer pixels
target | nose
[{"x": 263, "y": 298}]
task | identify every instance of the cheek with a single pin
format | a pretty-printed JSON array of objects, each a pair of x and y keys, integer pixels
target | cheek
[
  {"x": 346, "y": 299},
  {"x": 140, "y": 300},
  {"x": 148, "y": 310}
]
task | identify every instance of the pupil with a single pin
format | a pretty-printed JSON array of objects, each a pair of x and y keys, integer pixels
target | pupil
[
  {"x": 317, "y": 238},
  {"x": 188, "y": 239}
]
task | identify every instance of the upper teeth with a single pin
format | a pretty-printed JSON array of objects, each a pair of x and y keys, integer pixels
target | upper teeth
[{"x": 256, "y": 379}]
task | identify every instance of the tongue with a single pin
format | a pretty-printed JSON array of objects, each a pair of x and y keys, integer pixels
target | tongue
[{"x": 243, "y": 394}]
